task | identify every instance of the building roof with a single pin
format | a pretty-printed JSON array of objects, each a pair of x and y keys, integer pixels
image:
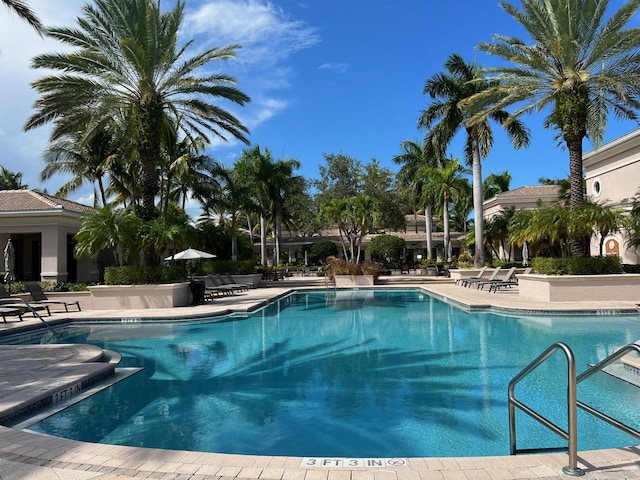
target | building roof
[
  {"x": 531, "y": 191},
  {"x": 31, "y": 200}
]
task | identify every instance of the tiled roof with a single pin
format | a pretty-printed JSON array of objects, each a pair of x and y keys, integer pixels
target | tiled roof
[
  {"x": 30, "y": 200},
  {"x": 531, "y": 191}
]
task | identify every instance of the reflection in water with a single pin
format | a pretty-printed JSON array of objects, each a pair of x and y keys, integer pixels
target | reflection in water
[{"x": 359, "y": 373}]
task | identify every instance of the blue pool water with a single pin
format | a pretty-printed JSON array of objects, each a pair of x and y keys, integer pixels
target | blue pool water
[{"x": 356, "y": 373}]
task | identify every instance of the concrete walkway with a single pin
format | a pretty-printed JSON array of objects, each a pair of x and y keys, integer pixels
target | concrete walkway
[{"x": 27, "y": 374}]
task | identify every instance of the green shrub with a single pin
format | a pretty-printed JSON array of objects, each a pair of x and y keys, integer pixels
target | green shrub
[
  {"x": 388, "y": 249},
  {"x": 232, "y": 267},
  {"x": 321, "y": 249},
  {"x": 139, "y": 275},
  {"x": 628, "y": 268},
  {"x": 576, "y": 266}
]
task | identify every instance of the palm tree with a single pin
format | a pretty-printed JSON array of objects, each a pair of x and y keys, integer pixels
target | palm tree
[
  {"x": 447, "y": 114},
  {"x": 495, "y": 184},
  {"x": 85, "y": 159},
  {"x": 21, "y": 9},
  {"x": 582, "y": 64},
  {"x": 127, "y": 62},
  {"x": 447, "y": 183},
  {"x": 412, "y": 158},
  {"x": 10, "y": 180},
  {"x": 599, "y": 220}
]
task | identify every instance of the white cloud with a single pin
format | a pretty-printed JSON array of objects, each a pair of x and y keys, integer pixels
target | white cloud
[
  {"x": 267, "y": 34},
  {"x": 334, "y": 67}
]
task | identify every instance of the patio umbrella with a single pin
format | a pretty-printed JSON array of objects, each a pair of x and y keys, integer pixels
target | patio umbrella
[
  {"x": 9, "y": 264},
  {"x": 525, "y": 254},
  {"x": 189, "y": 254}
]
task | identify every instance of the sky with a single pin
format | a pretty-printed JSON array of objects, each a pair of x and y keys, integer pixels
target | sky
[{"x": 324, "y": 76}]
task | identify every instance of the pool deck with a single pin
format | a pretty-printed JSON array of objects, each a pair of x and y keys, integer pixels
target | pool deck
[{"x": 26, "y": 455}]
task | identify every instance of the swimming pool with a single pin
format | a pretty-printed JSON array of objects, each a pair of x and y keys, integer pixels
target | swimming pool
[{"x": 367, "y": 373}]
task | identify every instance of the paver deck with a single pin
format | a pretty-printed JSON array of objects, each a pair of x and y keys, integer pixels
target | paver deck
[{"x": 26, "y": 455}]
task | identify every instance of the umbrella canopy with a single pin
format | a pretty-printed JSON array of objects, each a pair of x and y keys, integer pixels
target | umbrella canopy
[
  {"x": 9, "y": 262},
  {"x": 190, "y": 254},
  {"x": 525, "y": 254}
]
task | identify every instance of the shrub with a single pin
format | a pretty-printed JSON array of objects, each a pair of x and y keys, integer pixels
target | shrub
[
  {"x": 577, "y": 266},
  {"x": 232, "y": 267},
  {"x": 321, "y": 250},
  {"x": 388, "y": 249},
  {"x": 338, "y": 266},
  {"x": 139, "y": 275}
]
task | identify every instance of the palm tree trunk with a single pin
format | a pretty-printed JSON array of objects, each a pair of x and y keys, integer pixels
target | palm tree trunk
[
  {"x": 447, "y": 236},
  {"x": 579, "y": 246},
  {"x": 234, "y": 237},
  {"x": 429, "y": 228},
  {"x": 478, "y": 214},
  {"x": 278, "y": 232},
  {"x": 263, "y": 240}
]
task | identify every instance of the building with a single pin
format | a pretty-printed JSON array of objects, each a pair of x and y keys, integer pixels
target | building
[
  {"x": 42, "y": 230},
  {"x": 612, "y": 178}
]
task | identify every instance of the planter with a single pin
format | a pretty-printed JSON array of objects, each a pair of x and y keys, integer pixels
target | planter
[
  {"x": 577, "y": 288},
  {"x": 122, "y": 297},
  {"x": 354, "y": 280},
  {"x": 253, "y": 279}
]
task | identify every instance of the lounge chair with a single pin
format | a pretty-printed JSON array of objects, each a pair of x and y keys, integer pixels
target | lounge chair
[
  {"x": 217, "y": 281},
  {"x": 473, "y": 281},
  {"x": 41, "y": 298},
  {"x": 507, "y": 278},
  {"x": 4, "y": 311},
  {"x": 232, "y": 281},
  {"x": 498, "y": 284},
  {"x": 480, "y": 276},
  {"x": 213, "y": 287},
  {"x": 228, "y": 281},
  {"x": 7, "y": 301}
]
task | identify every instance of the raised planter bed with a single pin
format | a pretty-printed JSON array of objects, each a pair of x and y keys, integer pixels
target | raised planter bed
[
  {"x": 573, "y": 288},
  {"x": 122, "y": 297},
  {"x": 354, "y": 280}
]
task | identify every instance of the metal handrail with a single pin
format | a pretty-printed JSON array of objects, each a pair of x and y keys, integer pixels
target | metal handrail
[
  {"x": 598, "y": 367},
  {"x": 571, "y": 435}
]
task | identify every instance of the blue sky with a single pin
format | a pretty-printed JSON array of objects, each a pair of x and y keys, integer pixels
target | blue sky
[{"x": 325, "y": 76}]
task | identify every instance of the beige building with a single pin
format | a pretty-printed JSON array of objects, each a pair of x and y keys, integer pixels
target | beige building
[
  {"x": 612, "y": 177},
  {"x": 42, "y": 230}
]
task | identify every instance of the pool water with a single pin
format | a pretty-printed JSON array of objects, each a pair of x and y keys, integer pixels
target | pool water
[{"x": 367, "y": 373}]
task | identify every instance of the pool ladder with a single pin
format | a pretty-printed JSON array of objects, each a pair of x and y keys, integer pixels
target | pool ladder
[{"x": 571, "y": 434}]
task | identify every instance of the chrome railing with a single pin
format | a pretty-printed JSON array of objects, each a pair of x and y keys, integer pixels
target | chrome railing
[{"x": 571, "y": 432}]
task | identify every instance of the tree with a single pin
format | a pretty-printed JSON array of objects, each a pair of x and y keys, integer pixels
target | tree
[
  {"x": 379, "y": 184},
  {"x": 447, "y": 183},
  {"x": 591, "y": 218},
  {"x": 413, "y": 158},
  {"x": 85, "y": 159},
  {"x": 10, "y": 180},
  {"x": 582, "y": 64},
  {"x": 340, "y": 178},
  {"x": 21, "y": 9},
  {"x": 127, "y": 63},
  {"x": 110, "y": 228},
  {"x": 354, "y": 218},
  {"x": 320, "y": 250},
  {"x": 495, "y": 184},
  {"x": 449, "y": 113},
  {"x": 389, "y": 249}
]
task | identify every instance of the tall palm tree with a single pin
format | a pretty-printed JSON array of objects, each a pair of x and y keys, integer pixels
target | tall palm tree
[
  {"x": 447, "y": 183},
  {"x": 580, "y": 65},
  {"x": 127, "y": 59},
  {"x": 412, "y": 158},
  {"x": 10, "y": 180},
  {"x": 21, "y": 9},
  {"x": 448, "y": 113}
]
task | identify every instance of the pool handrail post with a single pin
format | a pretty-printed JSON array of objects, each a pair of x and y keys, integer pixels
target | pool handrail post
[{"x": 571, "y": 435}]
